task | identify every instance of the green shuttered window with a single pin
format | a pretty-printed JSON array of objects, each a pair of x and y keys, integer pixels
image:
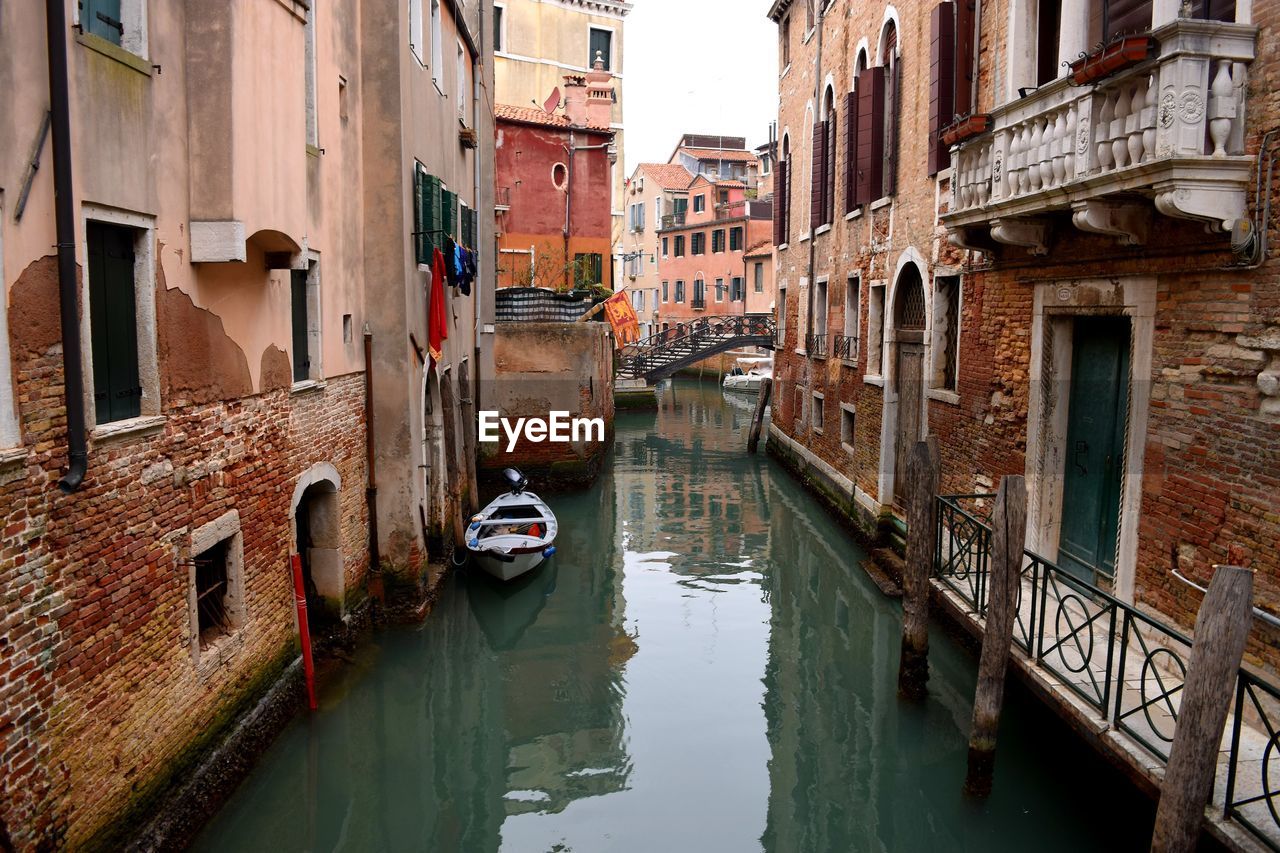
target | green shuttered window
[{"x": 113, "y": 322}]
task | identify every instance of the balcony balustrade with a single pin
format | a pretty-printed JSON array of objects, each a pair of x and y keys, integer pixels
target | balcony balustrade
[
  {"x": 815, "y": 345},
  {"x": 674, "y": 220},
  {"x": 1167, "y": 132}
]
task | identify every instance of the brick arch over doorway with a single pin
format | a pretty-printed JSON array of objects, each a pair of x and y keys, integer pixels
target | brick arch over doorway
[{"x": 316, "y": 516}]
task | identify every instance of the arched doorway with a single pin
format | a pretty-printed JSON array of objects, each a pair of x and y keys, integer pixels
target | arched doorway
[
  {"x": 317, "y": 525},
  {"x": 908, "y": 372}
]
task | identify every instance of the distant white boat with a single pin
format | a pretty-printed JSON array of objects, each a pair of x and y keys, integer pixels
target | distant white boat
[
  {"x": 748, "y": 373},
  {"x": 514, "y": 533}
]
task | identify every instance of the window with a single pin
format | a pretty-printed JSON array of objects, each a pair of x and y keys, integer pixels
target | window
[
  {"x": 305, "y": 316},
  {"x": 817, "y": 413},
  {"x": 121, "y": 22},
  {"x": 215, "y": 577},
  {"x": 737, "y": 292},
  {"x": 679, "y": 291},
  {"x": 735, "y": 239},
  {"x": 680, "y": 246},
  {"x": 665, "y": 291},
  {"x": 665, "y": 246},
  {"x": 820, "y": 307},
  {"x": 698, "y": 243},
  {"x": 499, "y": 32},
  {"x": 417, "y": 35},
  {"x": 657, "y": 212},
  {"x": 946, "y": 332},
  {"x": 848, "y": 422},
  {"x": 699, "y": 203},
  {"x": 759, "y": 278},
  {"x": 601, "y": 48},
  {"x": 852, "y": 317},
  {"x": 892, "y": 84},
  {"x": 588, "y": 269},
  {"x": 798, "y": 406},
  {"x": 808, "y": 16},
  {"x": 719, "y": 290},
  {"x": 875, "y": 331},
  {"x": 637, "y": 217},
  {"x": 699, "y": 293},
  {"x": 437, "y": 47},
  {"x": 461, "y": 83},
  {"x": 782, "y": 196},
  {"x": 637, "y": 300},
  {"x": 113, "y": 321},
  {"x": 309, "y": 61},
  {"x": 346, "y": 329},
  {"x": 784, "y": 38},
  {"x": 717, "y": 241},
  {"x": 951, "y": 68},
  {"x": 822, "y": 210}
]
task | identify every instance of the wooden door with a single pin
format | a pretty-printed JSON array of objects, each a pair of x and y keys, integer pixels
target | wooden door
[
  {"x": 910, "y": 386},
  {"x": 1092, "y": 481}
]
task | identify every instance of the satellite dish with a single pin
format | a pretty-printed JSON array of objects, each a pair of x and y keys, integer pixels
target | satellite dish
[{"x": 553, "y": 103}]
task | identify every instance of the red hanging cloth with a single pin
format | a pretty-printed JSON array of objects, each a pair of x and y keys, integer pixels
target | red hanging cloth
[{"x": 437, "y": 324}]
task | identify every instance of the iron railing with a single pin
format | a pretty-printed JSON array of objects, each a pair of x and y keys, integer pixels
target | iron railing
[
  {"x": 845, "y": 347},
  {"x": 815, "y": 345},
  {"x": 698, "y": 303},
  {"x": 1124, "y": 664},
  {"x": 674, "y": 220},
  {"x": 661, "y": 355}
]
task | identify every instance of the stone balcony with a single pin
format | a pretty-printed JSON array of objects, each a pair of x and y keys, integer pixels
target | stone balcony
[{"x": 1165, "y": 135}]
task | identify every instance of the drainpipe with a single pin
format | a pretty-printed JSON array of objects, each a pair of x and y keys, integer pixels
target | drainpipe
[
  {"x": 817, "y": 108},
  {"x": 64, "y": 214},
  {"x": 568, "y": 207}
]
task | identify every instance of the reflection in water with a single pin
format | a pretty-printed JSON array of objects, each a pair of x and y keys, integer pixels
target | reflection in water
[{"x": 702, "y": 666}]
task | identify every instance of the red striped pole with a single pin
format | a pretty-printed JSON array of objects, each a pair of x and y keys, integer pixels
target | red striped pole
[{"x": 304, "y": 632}]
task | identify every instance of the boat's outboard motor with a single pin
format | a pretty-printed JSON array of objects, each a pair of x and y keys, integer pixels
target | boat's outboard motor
[{"x": 515, "y": 480}]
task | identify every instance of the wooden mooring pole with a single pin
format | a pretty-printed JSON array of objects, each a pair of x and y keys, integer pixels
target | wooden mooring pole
[
  {"x": 923, "y": 472},
  {"x": 1008, "y": 538},
  {"x": 757, "y": 420},
  {"x": 1222, "y": 629}
]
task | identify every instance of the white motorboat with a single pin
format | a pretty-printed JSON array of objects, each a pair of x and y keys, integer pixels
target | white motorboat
[
  {"x": 748, "y": 373},
  {"x": 514, "y": 533}
]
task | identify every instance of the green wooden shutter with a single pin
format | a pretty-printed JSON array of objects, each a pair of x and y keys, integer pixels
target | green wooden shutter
[
  {"x": 298, "y": 314},
  {"x": 431, "y": 206},
  {"x": 419, "y": 215},
  {"x": 102, "y": 18},
  {"x": 113, "y": 323}
]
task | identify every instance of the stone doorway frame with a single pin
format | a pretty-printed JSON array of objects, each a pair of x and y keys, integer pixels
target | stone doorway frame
[
  {"x": 328, "y": 567},
  {"x": 888, "y": 381},
  {"x": 1057, "y": 305}
]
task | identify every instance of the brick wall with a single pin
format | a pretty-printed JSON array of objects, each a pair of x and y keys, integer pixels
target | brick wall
[{"x": 101, "y": 698}]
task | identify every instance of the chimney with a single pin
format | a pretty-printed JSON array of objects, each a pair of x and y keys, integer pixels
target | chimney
[
  {"x": 575, "y": 99},
  {"x": 599, "y": 94}
]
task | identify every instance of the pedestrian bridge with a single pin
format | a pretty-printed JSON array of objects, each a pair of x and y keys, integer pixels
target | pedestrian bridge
[{"x": 659, "y": 356}]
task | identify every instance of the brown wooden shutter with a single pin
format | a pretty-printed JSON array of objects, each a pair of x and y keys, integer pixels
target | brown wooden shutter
[
  {"x": 869, "y": 184},
  {"x": 942, "y": 73},
  {"x": 850, "y": 151},
  {"x": 780, "y": 203},
  {"x": 963, "y": 103},
  {"x": 816, "y": 205},
  {"x": 892, "y": 107},
  {"x": 1122, "y": 17}
]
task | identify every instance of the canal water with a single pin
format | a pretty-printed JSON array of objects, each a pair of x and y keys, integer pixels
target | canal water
[{"x": 702, "y": 667}]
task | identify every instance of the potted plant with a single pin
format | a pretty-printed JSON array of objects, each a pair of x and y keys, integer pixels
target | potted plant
[
  {"x": 966, "y": 127},
  {"x": 1106, "y": 60}
]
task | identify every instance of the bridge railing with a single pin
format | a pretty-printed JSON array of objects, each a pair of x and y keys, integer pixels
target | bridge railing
[{"x": 707, "y": 335}]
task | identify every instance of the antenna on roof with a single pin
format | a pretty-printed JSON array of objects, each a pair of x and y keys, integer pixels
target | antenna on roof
[{"x": 553, "y": 102}]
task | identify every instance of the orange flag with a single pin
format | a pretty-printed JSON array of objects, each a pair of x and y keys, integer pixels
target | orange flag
[{"x": 623, "y": 319}]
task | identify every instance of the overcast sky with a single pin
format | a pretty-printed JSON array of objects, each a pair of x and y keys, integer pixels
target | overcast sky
[{"x": 697, "y": 66}]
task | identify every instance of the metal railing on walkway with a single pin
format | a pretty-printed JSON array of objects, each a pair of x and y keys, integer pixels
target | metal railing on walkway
[{"x": 1127, "y": 667}]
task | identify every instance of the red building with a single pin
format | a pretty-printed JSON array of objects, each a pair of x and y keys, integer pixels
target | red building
[
  {"x": 554, "y": 174},
  {"x": 701, "y": 250}
]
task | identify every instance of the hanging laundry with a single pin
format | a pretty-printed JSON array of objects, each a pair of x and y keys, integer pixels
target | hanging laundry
[
  {"x": 468, "y": 271},
  {"x": 458, "y": 270},
  {"x": 450, "y": 269},
  {"x": 437, "y": 322}
]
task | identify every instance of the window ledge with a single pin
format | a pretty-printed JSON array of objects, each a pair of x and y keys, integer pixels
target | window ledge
[
  {"x": 111, "y": 50},
  {"x": 103, "y": 434},
  {"x": 804, "y": 238},
  {"x": 784, "y": 247},
  {"x": 848, "y": 447},
  {"x": 12, "y": 463},
  {"x": 882, "y": 202},
  {"x": 849, "y": 362},
  {"x": 853, "y": 214},
  {"x": 313, "y": 150},
  {"x": 942, "y": 395},
  {"x": 872, "y": 379},
  {"x": 219, "y": 652},
  {"x": 307, "y": 386},
  {"x": 818, "y": 430},
  {"x": 822, "y": 229},
  {"x": 785, "y": 71}
]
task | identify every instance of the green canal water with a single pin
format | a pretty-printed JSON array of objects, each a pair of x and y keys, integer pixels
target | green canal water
[{"x": 702, "y": 667}]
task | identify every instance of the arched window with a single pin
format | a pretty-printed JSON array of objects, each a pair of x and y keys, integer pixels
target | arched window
[
  {"x": 892, "y": 85},
  {"x": 824, "y": 163}
]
